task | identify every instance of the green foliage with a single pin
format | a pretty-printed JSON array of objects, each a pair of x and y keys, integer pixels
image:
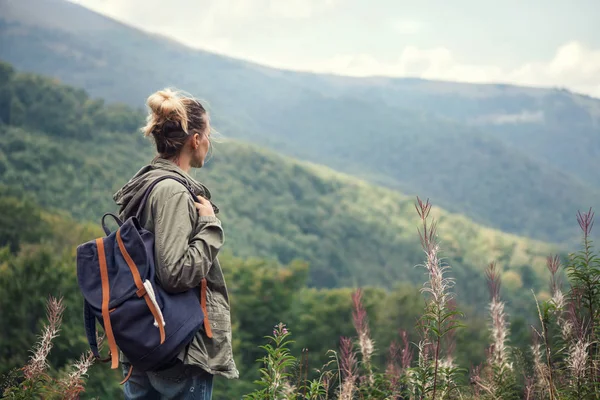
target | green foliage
[
  {"x": 470, "y": 147},
  {"x": 36, "y": 381},
  {"x": 555, "y": 369},
  {"x": 348, "y": 231},
  {"x": 262, "y": 292},
  {"x": 36, "y": 104},
  {"x": 584, "y": 272},
  {"x": 20, "y": 220},
  {"x": 275, "y": 212},
  {"x": 275, "y": 374},
  {"x": 26, "y": 278},
  {"x": 440, "y": 318},
  {"x": 297, "y": 235}
]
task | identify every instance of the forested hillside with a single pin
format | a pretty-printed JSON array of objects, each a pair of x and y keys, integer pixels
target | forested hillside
[
  {"x": 67, "y": 152},
  {"x": 38, "y": 260},
  {"x": 72, "y": 153},
  {"x": 299, "y": 238},
  {"x": 504, "y": 156},
  {"x": 554, "y": 126}
]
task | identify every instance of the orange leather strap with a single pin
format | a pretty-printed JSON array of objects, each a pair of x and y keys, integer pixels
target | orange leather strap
[
  {"x": 105, "y": 299},
  {"x": 128, "y": 375},
  {"x": 141, "y": 292},
  {"x": 203, "y": 305},
  {"x": 134, "y": 271}
]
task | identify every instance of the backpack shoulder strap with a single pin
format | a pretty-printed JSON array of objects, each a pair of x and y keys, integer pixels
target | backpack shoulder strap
[{"x": 142, "y": 206}]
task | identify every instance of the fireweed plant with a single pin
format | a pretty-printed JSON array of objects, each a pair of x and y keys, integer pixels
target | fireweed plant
[
  {"x": 563, "y": 361},
  {"x": 34, "y": 380}
]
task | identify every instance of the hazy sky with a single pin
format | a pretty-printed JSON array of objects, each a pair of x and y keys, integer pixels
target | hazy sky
[{"x": 537, "y": 42}]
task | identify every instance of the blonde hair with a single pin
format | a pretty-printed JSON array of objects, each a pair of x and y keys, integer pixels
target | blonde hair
[{"x": 172, "y": 116}]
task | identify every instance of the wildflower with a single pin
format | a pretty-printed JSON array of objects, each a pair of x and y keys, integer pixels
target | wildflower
[
  {"x": 553, "y": 265},
  {"x": 437, "y": 285},
  {"x": 407, "y": 354},
  {"x": 439, "y": 317},
  {"x": 348, "y": 368},
  {"x": 73, "y": 384},
  {"x": 359, "y": 317},
  {"x": 392, "y": 370},
  {"x": 529, "y": 388},
  {"x": 499, "y": 327},
  {"x": 540, "y": 369},
  {"x": 558, "y": 299},
  {"x": 476, "y": 381},
  {"x": 287, "y": 390},
  {"x": 586, "y": 222},
  {"x": 38, "y": 364},
  {"x": 280, "y": 330},
  {"x": 578, "y": 359}
]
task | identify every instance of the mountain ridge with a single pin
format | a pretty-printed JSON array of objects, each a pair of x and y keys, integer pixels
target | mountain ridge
[
  {"x": 350, "y": 231},
  {"x": 404, "y": 139},
  {"x": 357, "y": 80}
]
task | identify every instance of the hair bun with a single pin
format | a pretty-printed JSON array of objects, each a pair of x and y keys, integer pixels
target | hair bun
[{"x": 166, "y": 105}]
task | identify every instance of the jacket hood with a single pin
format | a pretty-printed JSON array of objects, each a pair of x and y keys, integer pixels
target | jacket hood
[{"x": 129, "y": 197}]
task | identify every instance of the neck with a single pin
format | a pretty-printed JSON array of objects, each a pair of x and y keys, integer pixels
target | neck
[{"x": 182, "y": 161}]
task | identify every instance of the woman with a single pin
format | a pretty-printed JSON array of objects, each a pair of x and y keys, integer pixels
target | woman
[{"x": 188, "y": 237}]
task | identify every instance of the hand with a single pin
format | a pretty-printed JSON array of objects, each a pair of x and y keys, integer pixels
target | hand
[{"x": 205, "y": 209}]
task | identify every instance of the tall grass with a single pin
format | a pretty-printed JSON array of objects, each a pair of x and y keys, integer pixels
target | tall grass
[
  {"x": 563, "y": 361},
  {"x": 34, "y": 380}
]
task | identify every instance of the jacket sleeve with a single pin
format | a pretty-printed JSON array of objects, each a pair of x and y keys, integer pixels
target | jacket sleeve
[{"x": 184, "y": 251}]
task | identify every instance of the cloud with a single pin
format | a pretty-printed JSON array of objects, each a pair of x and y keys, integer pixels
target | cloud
[
  {"x": 211, "y": 24},
  {"x": 524, "y": 117},
  {"x": 217, "y": 25},
  {"x": 406, "y": 26},
  {"x": 573, "y": 66},
  {"x": 299, "y": 9},
  {"x": 208, "y": 13}
]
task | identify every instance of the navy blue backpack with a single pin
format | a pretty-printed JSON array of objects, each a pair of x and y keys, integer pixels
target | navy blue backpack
[{"x": 116, "y": 275}]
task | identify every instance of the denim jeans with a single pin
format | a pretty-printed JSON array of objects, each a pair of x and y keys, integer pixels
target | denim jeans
[{"x": 180, "y": 382}]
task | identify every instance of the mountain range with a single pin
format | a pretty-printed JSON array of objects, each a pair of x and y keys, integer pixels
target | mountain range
[
  {"x": 351, "y": 232},
  {"x": 522, "y": 160}
]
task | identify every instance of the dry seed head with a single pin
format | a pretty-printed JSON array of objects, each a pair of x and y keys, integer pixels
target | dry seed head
[{"x": 37, "y": 363}]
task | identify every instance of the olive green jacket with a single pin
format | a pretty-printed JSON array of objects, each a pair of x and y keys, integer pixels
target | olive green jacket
[{"x": 186, "y": 248}]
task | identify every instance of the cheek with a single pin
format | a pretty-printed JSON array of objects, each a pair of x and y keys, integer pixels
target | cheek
[{"x": 205, "y": 144}]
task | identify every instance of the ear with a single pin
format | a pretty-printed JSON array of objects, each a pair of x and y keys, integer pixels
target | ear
[{"x": 195, "y": 141}]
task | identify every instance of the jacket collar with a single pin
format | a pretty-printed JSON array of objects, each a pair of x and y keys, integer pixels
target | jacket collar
[
  {"x": 162, "y": 164},
  {"x": 130, "y": 195}
]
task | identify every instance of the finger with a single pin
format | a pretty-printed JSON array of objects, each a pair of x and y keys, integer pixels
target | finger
[{"x": 203, "y": 201}]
